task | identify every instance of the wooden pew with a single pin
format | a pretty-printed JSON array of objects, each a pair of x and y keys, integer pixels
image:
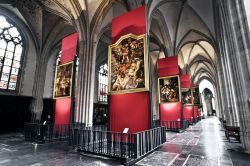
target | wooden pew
[{"x": 232, "y": 131}]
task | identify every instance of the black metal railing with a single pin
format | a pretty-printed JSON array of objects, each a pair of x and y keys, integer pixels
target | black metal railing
[
  {"x": 97, "y": 140},
  {"x": 175, "y": 125},
  {"x": 95, "y": 127},
  {"x": 196, "y": 120},
  {"x": 189, "y": 120},
  {"x": 156, "y": 123},
  {"x": 117, "y": 145},
  {"x": 149, "y": 140},
  {"x": 185, "y": 124},
  {"x": 41, "y": 133}
]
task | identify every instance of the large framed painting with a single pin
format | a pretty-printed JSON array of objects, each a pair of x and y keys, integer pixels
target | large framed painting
[
  {"x": 169, "y": 89},
  {"x": 196, "y": 96},
  {"x": 186, "y": 97},
  {"x": 128, "y": 65},
  {"x": 63, "y": 80}
]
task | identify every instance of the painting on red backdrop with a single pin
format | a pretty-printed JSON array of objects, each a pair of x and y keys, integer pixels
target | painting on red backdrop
[
  {"x": 186, "y": 97},
  {"x": 196, "y": 96},
  {"x": 169, "y": 89},
  {"x": 128, "y": 65},
  {"x": 63, "y": 80}
]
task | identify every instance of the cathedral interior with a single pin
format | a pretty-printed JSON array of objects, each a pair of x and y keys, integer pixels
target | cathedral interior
[{"x": 80, "y": 112}]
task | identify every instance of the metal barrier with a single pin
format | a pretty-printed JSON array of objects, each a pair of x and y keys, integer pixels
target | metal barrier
[
  {"x": 149, "y": 140},
  {"x": 156, "y": 123},
  {"x": 95, "y": 127},
  {"x": 189, "y": 120},
  {"x": 41, "y": 133},
  {"x": 126, "y": 147},
  {"x": 123, "y": 146},
  {"x": 175, "y": 125},
  {"x": 196, "y": 120}
]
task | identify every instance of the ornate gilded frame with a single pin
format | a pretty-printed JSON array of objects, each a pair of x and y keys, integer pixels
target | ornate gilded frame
[
  {"x": 191, "y": 96},
  {"x": 146, "y": 80},
  {"x": 192, "y": 90},
  {"x": 159, "y": 90},
  {"x": 71, "y": 79}
]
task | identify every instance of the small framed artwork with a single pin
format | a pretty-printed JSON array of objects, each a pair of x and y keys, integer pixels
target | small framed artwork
[
  {"x": 128, "y": 65},
  {"x": 196, "y": 96},
  {"x": 63, "y": 80},
  {"x": 169, "y": 89},
  {"x": 186, "y": 97}
]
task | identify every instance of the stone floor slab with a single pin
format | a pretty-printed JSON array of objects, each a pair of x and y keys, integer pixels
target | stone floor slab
[{"x": 158, "y": 158}]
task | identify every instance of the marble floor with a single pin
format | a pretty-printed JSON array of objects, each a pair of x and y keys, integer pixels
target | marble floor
[{"x": 203, "y": 144}]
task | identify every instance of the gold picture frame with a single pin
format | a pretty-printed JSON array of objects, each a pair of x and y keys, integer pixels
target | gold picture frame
[
  {"x": 196, "y": 96},
  {"x": 63, "y": 80},
  {"x": 169, "y": 89},
  {"x": 186, "y": 96},
  {"x": 128, "y": 65}
]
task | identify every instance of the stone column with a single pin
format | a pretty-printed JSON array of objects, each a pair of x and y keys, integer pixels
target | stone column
[
  {"x": 39, "y": 81},
  {"x": 241, "y": 42},
  {"x": 40, "y": 73},
  {"x": 236, "y": 56},
  {"x": 85, "y": 85},
  {"x": 226, "y": 69}
]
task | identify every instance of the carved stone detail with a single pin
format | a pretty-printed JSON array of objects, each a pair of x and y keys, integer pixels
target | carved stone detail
[{"x": 33, "y": 14}]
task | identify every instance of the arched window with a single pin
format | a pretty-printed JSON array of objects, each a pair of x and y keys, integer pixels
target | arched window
[
  {"x": 103, "y": 84},
  {"x": 11, "y": 48}
]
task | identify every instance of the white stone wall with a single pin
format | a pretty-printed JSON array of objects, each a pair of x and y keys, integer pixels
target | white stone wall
[{"x": 247, "y": 8}]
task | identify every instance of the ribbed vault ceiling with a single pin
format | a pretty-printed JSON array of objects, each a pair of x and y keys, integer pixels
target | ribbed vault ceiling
[
  {"x": 198, "y": 59},
  {"x": 185, "y": 28}
]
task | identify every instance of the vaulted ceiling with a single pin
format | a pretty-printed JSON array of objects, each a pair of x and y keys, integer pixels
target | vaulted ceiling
[
  {"x": 177, "y": 27},
  {"x": 185, "y": 28}
]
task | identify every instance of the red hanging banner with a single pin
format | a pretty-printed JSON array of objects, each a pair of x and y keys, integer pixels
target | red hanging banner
[
  {"x": 168, "y": 66},
  {"x": 132, "y": 22},
  {"x": 129, "y": 110},
  {"x": 69, "y": 45},
  {"x": 63, "y": 105},
  {"x": 170, "y": 111},
  {"x": 185, "y": 81},
  {"x": 188, "y": 112}
]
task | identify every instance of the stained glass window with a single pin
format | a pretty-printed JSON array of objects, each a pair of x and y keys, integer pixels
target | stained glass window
[
  {"x": 103, "y": 84},
  {"x": 11, "y": 49}
]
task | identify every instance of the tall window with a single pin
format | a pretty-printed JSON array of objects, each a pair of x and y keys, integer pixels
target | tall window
[
  {"x": 11, "y": 48},
  {"x": 103, "y": 84}
]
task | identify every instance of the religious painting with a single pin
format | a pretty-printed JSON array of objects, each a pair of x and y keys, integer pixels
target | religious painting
[
  {"x": 169, "y": 89},
  {"x": 63, "y": 80},
  {"x": 128, "y": 65},
  {"x": 186, "y": 97},
  {"x": 196, "y": 96}
]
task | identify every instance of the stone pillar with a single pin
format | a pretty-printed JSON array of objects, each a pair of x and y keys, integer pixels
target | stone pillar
[
  {"x": 40, "y": 73},
  {"x": 38, "y": 89},
  {"x": 85, "y": 85},
  {"x": 237, "y": 45},
  {"x": 227, "y": 72},
  {"x": 241, "y": 41}
]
